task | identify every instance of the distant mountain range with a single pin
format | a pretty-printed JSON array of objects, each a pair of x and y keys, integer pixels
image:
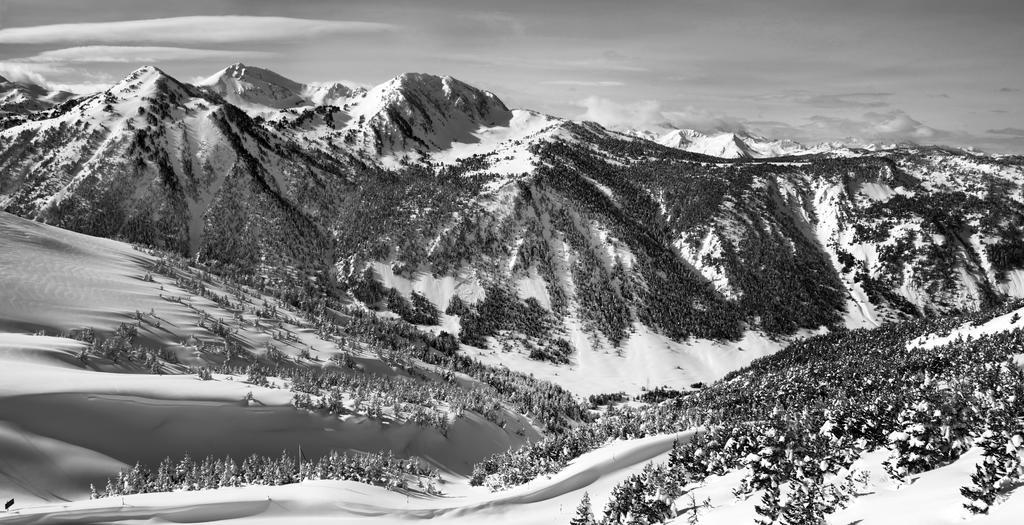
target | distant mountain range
[
  {"x": 425, "y": 187},
  {"x": 18, "y": 98}
]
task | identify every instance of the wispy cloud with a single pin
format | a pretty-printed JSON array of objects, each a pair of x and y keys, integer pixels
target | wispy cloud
[
  {"x": 894, "y": 125},
  {"x": 187, "y": 29},
  {"x": 640, "y": 114},
  {"x": 584, "y": 83},
  {"x": 41, "y": 73},
  {"x": 603, "y": 63},
  {"x": 648, "y": 114},
  {"x": 1013, "y": 132},
  {"x": 22, "y": 73},
  {"x": 494, "y": 23},
  {"x": 834, "y": 100},
  {"x": 1008, "y": 90},
  {"x": 138, "y": 54},
  {"x": 874, "y": 126},
  {"x": 848, "y": 100}
]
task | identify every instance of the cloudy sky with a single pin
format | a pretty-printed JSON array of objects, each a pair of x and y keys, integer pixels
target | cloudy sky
[{"x": 928, "y": 71}]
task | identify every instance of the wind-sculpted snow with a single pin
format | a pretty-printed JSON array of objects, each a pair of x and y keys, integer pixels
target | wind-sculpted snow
[
  {"x": 545, "y": 501},
  {"x": 130, "y": 379}
]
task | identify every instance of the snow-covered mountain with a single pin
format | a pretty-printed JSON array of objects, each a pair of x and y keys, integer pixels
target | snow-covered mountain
[
  {"x": 19, "y": 98},
  {"x": 415, "y": 111},
  {"x": 728, "y": 145},
  {"x": 255, "y": 88},
  {"x": 415, "y": 269},
  {"x": 156, "y": 160},
  {"x": 411, "y": 113},
  {"x": 424, "y": 180}
]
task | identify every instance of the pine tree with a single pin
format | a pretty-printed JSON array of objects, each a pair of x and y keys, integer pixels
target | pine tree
[
  {"x": 617, "y": 509},
  {"x": 1000, "y": 465},
  {"x": 769, "y": 510},
  {"x": 584, "y": 513}
]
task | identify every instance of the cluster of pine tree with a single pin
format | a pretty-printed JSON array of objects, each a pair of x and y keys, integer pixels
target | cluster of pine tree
[
  {"x": 383, "y": 470},
  {"x": 397, "y": 342},
  {"x": 793, "y": 420},
  {"x": 547, "y": 403},
  {"x": 428, "y": 401},
  {"x": 121, "y": 349}
]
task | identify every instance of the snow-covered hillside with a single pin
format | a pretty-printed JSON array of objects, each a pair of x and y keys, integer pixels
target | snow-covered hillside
[
  {"x": 21, "y": 98},
  {"x": 607, "y": 244},
  {"x": 75, "y": 411},
  {"x": 257, "y": 89},
  {"x": 71, "y": 416},
  {"x": 414, "y": 269},
  {"x": 727, "y": 145}
]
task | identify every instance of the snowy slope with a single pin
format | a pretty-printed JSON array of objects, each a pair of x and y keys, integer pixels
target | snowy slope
[
  {"x": 20, "y": 98},
  {"x": 638, "y": 236},
  {"x": 255, "y": 88},
  {"x": 544, "y": 501},
  {"x": 407, "y": 116},
  {"x": 157, "y": 161},
  {"x": 70, "y": 421},
  {"x": 420, "y": 112},
  {"x": 728, "y": 145}
]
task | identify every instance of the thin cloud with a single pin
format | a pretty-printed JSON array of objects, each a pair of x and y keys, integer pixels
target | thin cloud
[
  {"x": 21, "y": 73},
  {"x": 848, "y": 100},
  {"x": 584, "y": 83},
  {"x": 642, "y": 114},
  {"x": 702, "y": 119},
  {"x": 603, "y": 63},
  {"x": 40, "y": 74},
  {"x": 188, "y": 29},
  {"x": 862, "y": 100},
  {"x": 873, "y": 126},
  {"x": 648, "y": 114},
  {"x": 80, "y": 88},
  {"x": 137, "y": 54},
  {"x": 1013, "y": 132},
  {"x": 494, "y": 23},
  {"x": 893, "y": 125},
  {"x": 1008, "y": 90}
]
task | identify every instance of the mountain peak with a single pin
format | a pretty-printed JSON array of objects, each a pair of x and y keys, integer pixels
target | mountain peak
[
  {"x": 248, "y": 86},
  {"x": 145, "y": 80},
  {"x": 418, "y": 111},
  {"x": 148, "y": 72},
  {"x": 256, "y": 75},
  {"x": 726, "y": 144}
]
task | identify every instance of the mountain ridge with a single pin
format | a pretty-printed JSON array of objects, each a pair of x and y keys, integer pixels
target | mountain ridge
[{"x": 599, "y": 240}]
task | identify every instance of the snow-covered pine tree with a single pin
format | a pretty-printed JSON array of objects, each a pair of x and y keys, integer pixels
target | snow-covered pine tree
[
  {"x": 769, "y": 510},
  {"x": 616, "y": 510},
  {"x": 805, "y": 504},
  {"x": 163, "y": 481},
  {"x": 1002, "y": 447},
  {"x": 584, "y": 512},
  {"x": 931, "y": 434}
]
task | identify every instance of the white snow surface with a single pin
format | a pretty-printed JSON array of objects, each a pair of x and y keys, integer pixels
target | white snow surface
[
  {"x": 65, "y": 423},
  {"x": 725, "y": 144},
  {"x": 253, "y": 88},
  {"x": 1003, "y": 323}
]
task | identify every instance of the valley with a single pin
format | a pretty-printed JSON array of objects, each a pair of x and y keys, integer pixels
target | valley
[{"x": 250, "y": 299}]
